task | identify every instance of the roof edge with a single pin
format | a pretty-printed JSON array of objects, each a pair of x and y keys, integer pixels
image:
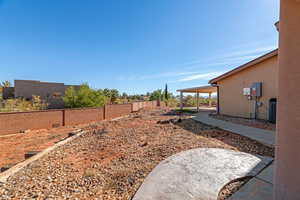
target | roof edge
[
  {"x": 245, "y": 66},
  {"x": 195, "y": 89}
]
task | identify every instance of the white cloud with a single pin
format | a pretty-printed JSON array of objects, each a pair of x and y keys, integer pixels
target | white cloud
[
  {"x": 166, "y": 74},
  {"x": 194, "y": 70},
  {"x": 231, "y": 58},
  {"x": 156, "y": 76},
  {"x": 253, "y": 52},
  {"x": 204, "y": 76}
]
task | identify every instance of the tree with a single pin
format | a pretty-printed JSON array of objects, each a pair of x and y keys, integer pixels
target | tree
[
  {"x": 124, "y": 95},
  {"x": 166, "y": 93},
  {"x": 70, "y": 98},
  {"x": 190, "y": 100},
  {"x": 135, "y": 97},
  {"x": 84, "y": 97},
  {"x": 111, "y": 94},
  {"x": 6, "y": 84},
  {"x": 114, "y": 95},
  {"x": 156, "y": 95}
]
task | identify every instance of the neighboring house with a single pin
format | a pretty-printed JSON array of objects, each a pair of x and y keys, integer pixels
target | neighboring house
[
  {"x": 52, "y": 93},
  {"x": 236, "y": 96},
  {"x": 8, "y": 92}
]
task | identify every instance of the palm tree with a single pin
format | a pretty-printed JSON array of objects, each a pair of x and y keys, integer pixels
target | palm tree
[{"x": 6, "y": 84}]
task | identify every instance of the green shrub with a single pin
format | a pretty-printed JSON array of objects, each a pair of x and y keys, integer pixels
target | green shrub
[
  {"x": 156, "y": 95},
  {"x": 172, "y": 102},
  {"x": 20, "y": 105},
  {"x": 191, "y": 101},
  {"x": 84, "y": 97}
]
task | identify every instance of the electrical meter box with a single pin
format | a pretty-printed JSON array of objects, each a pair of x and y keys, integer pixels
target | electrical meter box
[
  {"x": 256, "y": 89},
  {"x": 247, "y": 91}
]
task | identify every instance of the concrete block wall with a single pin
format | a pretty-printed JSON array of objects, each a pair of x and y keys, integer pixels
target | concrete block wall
[
  {"x": 20, "y": 121},
  {"x": 117, "y": 110},
  {"x": 136, "y": 106},
  {"x": 83, "y": 116},
  {"x": 16, "y": 122}
]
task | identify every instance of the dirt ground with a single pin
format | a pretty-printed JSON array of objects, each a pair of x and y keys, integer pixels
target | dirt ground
[
  {"x": 13, "y": 147},
  {"x": 247, "y": 122},
  {"x": 113, "y": 158}
]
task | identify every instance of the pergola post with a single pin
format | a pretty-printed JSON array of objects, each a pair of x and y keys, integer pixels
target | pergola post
[
  {"x": 197, "y": 101},
  {"x": 287, "y": 160},
  {"x": 209, "y": 99},
  {"x": 181, "y": 100}
]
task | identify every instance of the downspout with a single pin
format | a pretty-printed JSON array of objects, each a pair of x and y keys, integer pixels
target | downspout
[
  {"x": 197, "y": 101},
  {"x": 218, "y": 100}
]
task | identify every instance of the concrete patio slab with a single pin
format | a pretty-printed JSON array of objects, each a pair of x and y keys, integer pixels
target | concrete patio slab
[
  {"x": 255, "y": 189},
  {"x": 263, "y": 136},
  {"x": 198, "y": 174}
]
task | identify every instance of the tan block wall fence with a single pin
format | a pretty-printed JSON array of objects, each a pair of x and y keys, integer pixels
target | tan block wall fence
[
  {"x": 19, "y": 121},
  {"x": 16, "y": 122},
  {"x": 83, "y": 116}
]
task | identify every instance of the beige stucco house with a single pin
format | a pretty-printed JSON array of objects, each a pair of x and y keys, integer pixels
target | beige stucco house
[
  {"x": 50, "y": 92},
  {"x": 235, "y": 88}
]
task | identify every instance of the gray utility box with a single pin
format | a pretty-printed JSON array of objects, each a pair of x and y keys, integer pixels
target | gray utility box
[{"x": 256, "y": 89}]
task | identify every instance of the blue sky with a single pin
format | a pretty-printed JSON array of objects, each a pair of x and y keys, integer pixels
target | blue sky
[{"x": 132, "y": 45}]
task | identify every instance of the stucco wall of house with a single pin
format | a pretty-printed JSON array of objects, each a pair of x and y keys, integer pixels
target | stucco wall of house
[
  {"x": 26, "y": 88},
  {"x": 287, "y": 162},
  {"x": 231, "y": 99}
]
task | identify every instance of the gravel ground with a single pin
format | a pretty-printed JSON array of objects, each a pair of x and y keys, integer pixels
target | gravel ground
[
  {"x": 113, "y": 158},
  {"x": 232, "y": 187},
  {"x": 13, "y": 147},
  {"x": 247, "y": 122}
]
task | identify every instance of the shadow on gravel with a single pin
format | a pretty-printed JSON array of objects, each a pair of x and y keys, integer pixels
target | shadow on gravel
[
  {"x": 237, "y": 142},
  {"x": 179, "y": 113}
]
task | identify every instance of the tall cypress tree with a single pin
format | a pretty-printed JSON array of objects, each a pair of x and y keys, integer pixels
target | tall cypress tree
[{"x": 166, "y": 92}]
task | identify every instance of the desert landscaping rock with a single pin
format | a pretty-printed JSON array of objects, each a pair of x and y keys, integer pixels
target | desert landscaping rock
[
  {"x": 6, "y": 167},
  {"x": 113, "y": 158},
  {"x": 246, "y": 122},
  {"x": 71, "y": 134},
  {"x": 198, "y": 174},
  {"x": 14, "y": 146},
  {"x": 266, "y": 137},
  {"x": 30, "y": 154},
  {"x": 34, "y": 157}
]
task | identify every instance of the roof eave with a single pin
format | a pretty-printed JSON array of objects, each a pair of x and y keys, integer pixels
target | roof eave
[{"x": 244, "y": 66}]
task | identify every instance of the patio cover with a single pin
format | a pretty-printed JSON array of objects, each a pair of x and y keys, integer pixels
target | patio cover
[
  {"x": 203, "y": 89},
  {"x": 208, "y": 89}
]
